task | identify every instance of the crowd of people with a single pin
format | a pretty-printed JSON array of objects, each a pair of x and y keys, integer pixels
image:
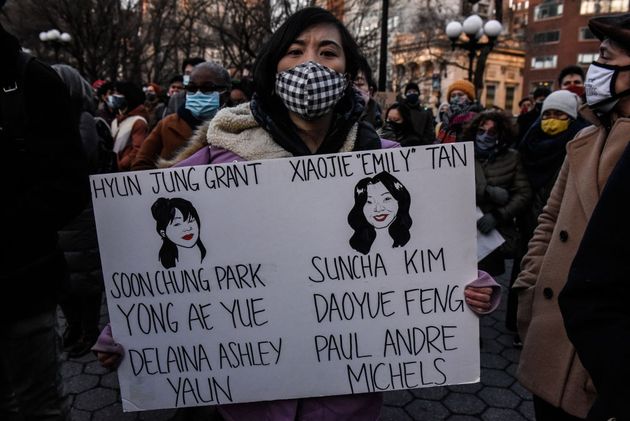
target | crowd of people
[{"x": 539, "y": 177}]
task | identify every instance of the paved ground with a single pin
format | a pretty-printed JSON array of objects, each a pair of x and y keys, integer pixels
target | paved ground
[{"x": 93, "y": 395}]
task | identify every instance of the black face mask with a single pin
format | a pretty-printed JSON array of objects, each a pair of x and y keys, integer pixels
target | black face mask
[
  {"x": 412, "y": 98},
  {"x": 395, "y": 127},
  {"x": 151, "y": 96}
]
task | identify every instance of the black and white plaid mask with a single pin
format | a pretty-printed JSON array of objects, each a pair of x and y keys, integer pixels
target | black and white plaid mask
[{"x": 310, "y": 89}]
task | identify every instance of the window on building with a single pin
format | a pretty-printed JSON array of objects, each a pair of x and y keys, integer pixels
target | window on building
[
  {"x": 587, "y": 58},
  {"x": 598, "y": 7},
  {"x": 509, "y": 97},
  {"x": 586, "y": 34},
  {"x": 491, "y": 91},
  {"x": 545, "y": 62},
  {"x": 548, "y": 9},
  {"x": 546, "y": 37}
]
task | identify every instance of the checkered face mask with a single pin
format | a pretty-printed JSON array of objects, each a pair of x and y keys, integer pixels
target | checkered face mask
[{"x": 310, "y": 89}]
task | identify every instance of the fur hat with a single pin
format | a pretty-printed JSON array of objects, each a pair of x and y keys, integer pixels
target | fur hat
[
  {"x": 615, "y": 27},
  {"x": 462, "y": 85},
  {"x": 563, "y": 100}
]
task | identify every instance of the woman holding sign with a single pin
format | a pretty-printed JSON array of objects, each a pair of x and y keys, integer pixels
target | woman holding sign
[{"x": 311, "y": 51}]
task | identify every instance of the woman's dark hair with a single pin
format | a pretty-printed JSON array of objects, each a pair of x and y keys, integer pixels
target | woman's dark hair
[
  {"x": 364, "y": 232},
  {"x": 503, "y": 125},
  {"x": 132, "y": 92},
  {"x": 163, "y": 211},
  {"x": 364, "y": 67},
  {"x": 273, "y": 51},
  {"x": 404, "y": 113}
]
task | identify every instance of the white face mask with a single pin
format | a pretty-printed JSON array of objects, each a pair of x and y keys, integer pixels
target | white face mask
[{"x": 599, "y": 87}]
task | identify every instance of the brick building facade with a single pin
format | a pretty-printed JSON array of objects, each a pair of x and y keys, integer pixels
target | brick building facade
[{"x": 558, "y": 36}]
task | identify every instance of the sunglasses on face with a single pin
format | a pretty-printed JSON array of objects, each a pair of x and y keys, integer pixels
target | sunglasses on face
[{"x": 206, "y": 88}]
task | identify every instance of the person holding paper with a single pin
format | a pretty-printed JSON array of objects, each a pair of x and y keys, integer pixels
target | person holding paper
[
  {"x": 502, "y": 188},
  {"x": 312, "y": 50}
]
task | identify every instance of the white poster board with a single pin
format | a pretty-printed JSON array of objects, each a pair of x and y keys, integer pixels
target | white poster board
[{"x": 281, "y": 305}]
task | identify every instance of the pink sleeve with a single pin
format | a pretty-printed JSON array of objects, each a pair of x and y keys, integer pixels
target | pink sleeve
[
  {"x": 106, "y": 343},
  {"x": 484, "y": 280}
]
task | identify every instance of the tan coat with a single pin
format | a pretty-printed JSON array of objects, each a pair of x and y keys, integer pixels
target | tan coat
[{"x": 549, "y": 366}]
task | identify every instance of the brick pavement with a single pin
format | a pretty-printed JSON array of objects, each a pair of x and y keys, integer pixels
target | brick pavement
[{"x": 93, "y": 395}]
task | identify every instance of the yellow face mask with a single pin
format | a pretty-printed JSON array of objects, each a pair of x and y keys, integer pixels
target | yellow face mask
[{"x": 553, "y": 126}]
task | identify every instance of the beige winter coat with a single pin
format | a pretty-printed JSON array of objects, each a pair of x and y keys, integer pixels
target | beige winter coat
[{"x": 549, "y": 366}]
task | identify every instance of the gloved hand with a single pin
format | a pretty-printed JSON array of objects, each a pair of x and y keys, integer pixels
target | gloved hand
[
  {"x": 486, "y": 223},
  {"x": 498, "y": 195}
]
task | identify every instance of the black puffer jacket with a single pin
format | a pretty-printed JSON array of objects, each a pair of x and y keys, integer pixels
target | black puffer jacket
[
  {"x": 503, "y": 170},
  {"x": 44, "y": 183}
]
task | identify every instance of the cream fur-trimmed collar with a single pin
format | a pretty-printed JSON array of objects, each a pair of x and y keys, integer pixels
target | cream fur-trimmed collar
[{"x": 235, "y": 129}]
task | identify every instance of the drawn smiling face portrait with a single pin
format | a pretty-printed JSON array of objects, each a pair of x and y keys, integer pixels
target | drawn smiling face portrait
[
  {"x": 178, "y": 224},
  {"x": 183, "y": 232},
  {"x": 381, "y": 207}
]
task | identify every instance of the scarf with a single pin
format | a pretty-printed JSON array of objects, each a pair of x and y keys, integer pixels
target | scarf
[
  {"x": 275, "y": 120},
  {"x": 542, "y": 155}
]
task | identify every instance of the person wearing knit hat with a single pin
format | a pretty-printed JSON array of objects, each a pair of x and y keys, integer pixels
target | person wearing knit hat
[
  {"x": 557, "y": 109},
  {"x": 574, "y": 356},
  {"x": 464, "y": 87},
  {"x": 462, "y": 109}
]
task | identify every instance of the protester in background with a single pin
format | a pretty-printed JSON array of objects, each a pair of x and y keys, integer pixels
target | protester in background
[
  {"x": 312, "y": 45},
  {"x": 366, "y": 86},
  {"x": 97, "y": 84},
  {"x": 525, "y": 105},
  {"x": 461, "y": 110},
  {"x": 83, "y": 109},
  {"x": 207, "y": 91},
  {"x": 82, "y": 289},
  {"x": 421, "y": 118},
  {"x": 442, "y": 117},
  {"x": 175, "y": 101},
  {"x": 240, "y": 93},
  {"x": 102, "y": 109},
  {"x": 398, "y": 126},
  {"x": 130, "y": 127},
  {"x": 549, "y": 366},
  {"x": 153, "y": 104},
  {"x": 526, "y": 120},
  {"x": 502, "y": 189},
  {"x": 571, "y": 76},
  {"x": 175, "y": 85},
  {"x": 542, "y": 151},
  {"x": 44, "y": 185}
]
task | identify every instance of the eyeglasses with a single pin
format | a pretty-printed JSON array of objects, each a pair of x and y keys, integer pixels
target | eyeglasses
[{"x": 206, "y": 89}]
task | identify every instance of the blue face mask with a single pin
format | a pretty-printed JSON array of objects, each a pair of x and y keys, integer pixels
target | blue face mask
[
  {"x": 203, "y": 106},
  {"x": 486, "y": 142}
]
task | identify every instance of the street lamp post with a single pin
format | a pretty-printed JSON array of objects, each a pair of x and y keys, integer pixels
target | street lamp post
[
  {"x": 474, "y": 29},
  {"x": 56, "y": 39}
]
